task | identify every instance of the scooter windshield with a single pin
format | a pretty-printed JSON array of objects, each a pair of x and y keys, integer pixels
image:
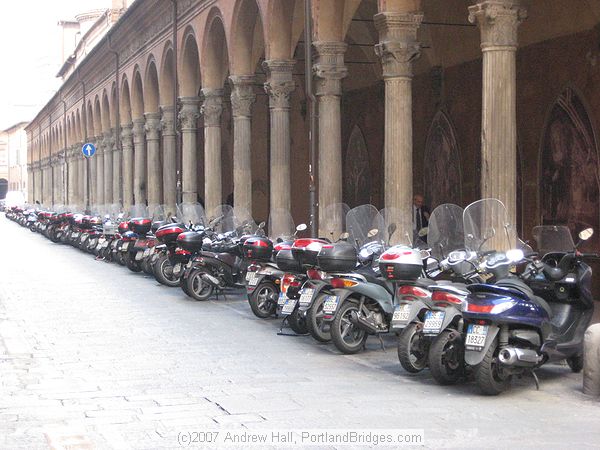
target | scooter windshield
[
  {"x": 397, "y": 230},
  {"x": 487, "y": 227},
  {"x": 281, "y": 225},
  {"x": 192, "y": 213},
  {"x": 138, "y": 210},
  {"x": 364, "y": 224},
  {"x": 227, "y": 221},
  {"x": 243, "y": 222},
  {"x": 553, "y": 238},
  {"x": 333, "y": 221},
  {"x": 158, "y": 213},
  {"x": 446, "y": 231}
]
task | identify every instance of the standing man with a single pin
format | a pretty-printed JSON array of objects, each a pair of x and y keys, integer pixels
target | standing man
[{"x": 420, "y": 215}]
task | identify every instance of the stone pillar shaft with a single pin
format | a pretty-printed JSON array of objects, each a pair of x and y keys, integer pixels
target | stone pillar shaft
[
  {"x": 188, "y": 117},
  {"x": 99, "y": 157},
  {"x": 139, "y": 177},
  {"x": 92, "y": 186},
  {"x": 116, "y": 180},
  {"x": 169, "y": 158},
  {"x": 242, "y": 98},
  {"x": 498, "y": 22},
  {"x": 330, "y": 70},
  {"x": 154, "y": 169},
  {"x": 127, "y": 144},
  {"x": 107, "y": 145},
  {"x": 211, "y": 110}
]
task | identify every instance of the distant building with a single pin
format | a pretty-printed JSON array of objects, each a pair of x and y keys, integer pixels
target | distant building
[{"x": 13, "y": 159}]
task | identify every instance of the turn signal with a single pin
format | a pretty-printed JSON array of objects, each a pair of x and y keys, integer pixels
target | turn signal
[{"x": 341, "y": 283}]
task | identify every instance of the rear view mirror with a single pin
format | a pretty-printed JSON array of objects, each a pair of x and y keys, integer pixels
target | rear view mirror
[
  {"x": 423, "y": 231},
  {"x": 345, "y": 235},
  {"x": 391, "y": 229},
  {"x": 372, "y": 232},
  {"x": 301, "y": 227},
  {"x": 584, "y": 235},
  {"x": 261, "y": 225}
]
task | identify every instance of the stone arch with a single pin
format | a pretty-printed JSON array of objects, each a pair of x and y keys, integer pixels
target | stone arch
[
  {"x": 78, "y": 128},
  {"x": 214, "y": 57},
  {"x": 357, "y": 170},
  {"x": 284, "y": 24},
  {"x": 114, "y": 105},
  {"x": 137, "y": 95},
  {"x": 166, "y": 80},
  {"x": 569, "y": 165},
  {"x": 69, "y": 131},
  {"x": 151, "y": 86},
  {"x": 125, "y": 102},
  {"x": 442, "y": 180},
  {"x": 106, "y": 113},
  {"x": 190, "y": 65},
  {"x": 247, "y": 37}
]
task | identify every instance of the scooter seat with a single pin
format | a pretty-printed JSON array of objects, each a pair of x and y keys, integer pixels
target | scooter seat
[
  {"x": 521, "y": 287},
  {"x": 379, "y": 281}
]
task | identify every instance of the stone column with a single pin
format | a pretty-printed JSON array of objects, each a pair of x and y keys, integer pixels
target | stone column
[
  {"x": 92, "y": 186},
  {"x": 498, "y": 21},
  {"x": 127, "y": 144},
  {"x": 242, "y": 99},
  {"x": 30, "y": 183},
  {"x": 107, "y": 145},
  {"x": 99, "y": 156},
  {"x": 329, "y": 70},
  {"x": 154, "y": 170},
  {"x": 139, "y": 172},
  {"x": 70, "y": 154},
  {"x": 211, "y": 110},
  {"x": 398, "y": 48},
  {"x": 188, "y": 118},
  {"x": 116, "y": 181},
  {"x": 279, "y": 86},
  {"x": 169, "y": 158},
  {"x": 83, "y": 176}
]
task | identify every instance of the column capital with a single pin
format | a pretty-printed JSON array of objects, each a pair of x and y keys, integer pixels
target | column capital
[
  {"x": 126, "y": 133},
  {"x": 152, "y": 126},
  {"x": 329, "y": 68},
  {"x": 167, "y": 120},
  {"x": 498, "y": 21},
  {"x": 398, "y": 46},
  {"x": 280, "y": 83},
  {"x": 188, "y": 114},
  {"x": 107, "y": 142},
  {"x": 139, "y": 126},
  {"x": 212, "y": 107},
  {"x": 242, "y": 95}
]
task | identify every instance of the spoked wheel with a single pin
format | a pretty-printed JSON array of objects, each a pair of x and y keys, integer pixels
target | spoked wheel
[
  {"x": 198, "y": 288},
  {"x": 347, "y": 337},
  {"x": 446, "y": 356},
  {"x": 263, "y": 301},
  {"x": 490, "y": 376},
  {"x": 297, "y": 322},
  {"x": 317, "y": 327},
  {"x": 131, "y": 263},
  {"x": 163, "y": 272},
  {"x": 413, "y": 349}
]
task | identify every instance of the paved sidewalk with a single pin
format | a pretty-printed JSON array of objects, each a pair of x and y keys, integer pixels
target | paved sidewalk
[{"x": 94, "y": 356}]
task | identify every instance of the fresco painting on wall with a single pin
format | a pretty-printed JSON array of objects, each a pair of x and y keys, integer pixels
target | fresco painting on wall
[
  {"x": 570, "y": 179},
  {"x": 357, "y": 172},
  {"x": 442, "y": 174}
]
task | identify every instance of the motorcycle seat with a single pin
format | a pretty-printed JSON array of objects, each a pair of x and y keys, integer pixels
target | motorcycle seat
[{"x": 519, "y": 286}]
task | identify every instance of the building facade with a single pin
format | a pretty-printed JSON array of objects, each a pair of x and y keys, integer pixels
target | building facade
[
  {"x": 16, "y": 158},
  {"x": 205, "y": 101}
]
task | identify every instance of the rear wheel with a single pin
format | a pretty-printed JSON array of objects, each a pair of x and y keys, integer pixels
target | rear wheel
[
  {"x": 131, "y": 263},
  {"x": 163, "y": 271},
  {"x": 147, "y": 266},
  {"x": 446, "y": 356},
  {"x": 198, "y": 288},
  {"x": 317, "y": 327},
  {"x": 263, "y": 301},
  {"x": 347, "y": 337},
  {"x": 491, "y": 378},
  {"x": 412, "y": 349},
  {"x": 297, "y": 322},
  {"x": 575, "y": 363}
]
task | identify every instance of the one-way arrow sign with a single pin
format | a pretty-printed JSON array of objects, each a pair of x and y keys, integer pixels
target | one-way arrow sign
[{"x": 88, "y": 150}]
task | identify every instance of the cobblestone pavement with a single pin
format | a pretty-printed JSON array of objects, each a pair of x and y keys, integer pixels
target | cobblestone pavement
[{"x": 94, "y": 356}]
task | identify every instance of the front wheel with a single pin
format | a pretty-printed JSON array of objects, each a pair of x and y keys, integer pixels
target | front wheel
[
  {"x": 317, "y": 327},
  {"x": 197, "y": 287},
  {"x": 347, "y": 337},
  {"x": 491, "y": 378},
  {"x": 263, "y": 301},
  {"x": 446, "y": 356},
  {"x": 163, "y": 271},
  {"x": 412, "y": 349}
]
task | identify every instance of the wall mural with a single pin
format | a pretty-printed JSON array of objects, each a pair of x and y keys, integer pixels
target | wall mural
[
  {"x": 357, "y": 172},
  {"x": 441, "y": 168},
  {"x": 570, "y": 181}
]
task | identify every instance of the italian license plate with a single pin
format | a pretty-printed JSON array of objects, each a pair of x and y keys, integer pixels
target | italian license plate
[
  {"x": 433, "y": 322},
  {"x": 288, "y": 306},
  {"x": 105, "y": 244},
  {"x": 176, "y": 269},
  {"x": 476, "y": 336},
  {"x": 306, "y": 296},
  {"x": 139, "y": 256},
  {"x": 146, "y": 252},
  {"x": 282, "y": 298},
  {"x": 125, "y": 246},
  {"x": 330, "y": 304},
  {"x": 401, "y": 316},
  {"x": 74, "y": 234},
  {"x": 252, "y": 278}
]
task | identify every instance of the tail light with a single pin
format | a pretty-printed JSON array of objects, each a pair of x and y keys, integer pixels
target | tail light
[
  {"x": 314, "y": 274},
  {"x": 182, "y": 252},
  {"x": 412, "y": 291},
  {"x": 287, "y": 281},
  {"x": 341, "y": 283},
  {"x": 282, "y": 246},
  {"x": 445, "y": 297},
  {"x": 390, "y": 256},
  {"x": 491, "y": 308}
]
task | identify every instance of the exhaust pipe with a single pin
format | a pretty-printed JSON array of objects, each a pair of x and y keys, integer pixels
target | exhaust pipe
[
  {"x": 363, "y": 324},
  {"x": 210, "y": 279},
  {"x": 512, "y": 356}
]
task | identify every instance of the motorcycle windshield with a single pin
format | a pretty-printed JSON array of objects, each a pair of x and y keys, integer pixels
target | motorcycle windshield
[
  {"x": 487, "y": 227},
  {"x": 362, "y": 220},
  {"x": 158, "y": 213},
  {"x": 553, "y": 238},
  {"x": 191, "y": 213},
  {"x": 333, "y": 220},
  {"x": 139, "y": 210},
  {"x": 227, "y": 221},
  {"x": 392, "y": 232},
  {"x": 281, "y": 225},
  {"x": 243, "y": 221},
  {"x": 446, "y": 231}
]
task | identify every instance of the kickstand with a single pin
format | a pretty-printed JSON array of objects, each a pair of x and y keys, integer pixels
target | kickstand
[
  {"x": 536, "y": 379},
  {"x": 381, "y": 342},
  {"x": 281, "y": 333}
]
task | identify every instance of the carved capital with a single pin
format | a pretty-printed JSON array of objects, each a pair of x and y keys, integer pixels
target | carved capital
[
  {"x": 167, "y": 120},
  {"x": 242, "y": 95},
  {"x": 212, "y": 107},
  {"x": 126, "y": 135},
  {"x": 139, "y": 128},
  {"x": 108, "y": 142},
  {"x": 280, "y": 83},
  {"x": 152, "y": 126},
  {"x": 329, "y": 68},
  {"x": 188, "y": 114},
  {"x": 498, "y": 22},
  {"x": 398, "y": 46}
]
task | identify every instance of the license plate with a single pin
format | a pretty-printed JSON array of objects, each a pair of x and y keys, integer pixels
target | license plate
[
  {"x": 288, "y": 306},
  {"x": 306, "y": 296},
  {"x": 433, "y": 322},
  {"x": 330, "y": 304},
  {"x": 177, "y": 269},
  {"x": 476, "y": 336},
  {"x": 125, "y": 246},
  {"x": 146, "y": 252},
  {"x": 74, "y": 234},
  {"x": 282, "y": 298},
  {"x": 401, "y": 315},
  {"x": 252, "y": 278},
  {"x": 105, "y": 244},
  {"x": 139, "y": 256}
]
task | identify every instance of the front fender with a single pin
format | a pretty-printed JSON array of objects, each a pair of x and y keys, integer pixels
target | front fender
[{"x": 472, "y": 358}]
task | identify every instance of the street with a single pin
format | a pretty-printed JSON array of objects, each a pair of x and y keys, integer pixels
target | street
[{"x": 95, "y": 356}]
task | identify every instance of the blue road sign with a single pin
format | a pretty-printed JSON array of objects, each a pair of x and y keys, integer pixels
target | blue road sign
[{"x": 88, "y": 150}]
